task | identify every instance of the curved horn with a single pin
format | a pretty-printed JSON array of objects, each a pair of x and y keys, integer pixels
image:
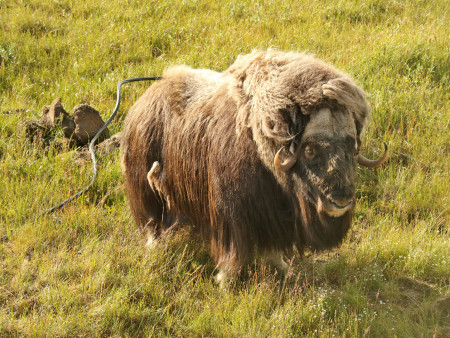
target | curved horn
[
  {"x": 373, "y": 163},
  {"x": 289, "y": 163}
]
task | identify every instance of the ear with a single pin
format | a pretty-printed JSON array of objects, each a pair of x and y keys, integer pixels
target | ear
[{"x": 296, "y": 119}]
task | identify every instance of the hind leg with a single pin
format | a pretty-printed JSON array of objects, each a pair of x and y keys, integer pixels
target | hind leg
[
  {"x": 145, "y": 204},
  {"x": 230, "y": 264},
  {"x": 227, "y": 272},
  {"x": 170, "y": 220},
  {"x": 151, "y": 233}
]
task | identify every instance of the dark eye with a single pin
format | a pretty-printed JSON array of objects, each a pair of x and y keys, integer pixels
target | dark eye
[{"x": 309, "y": 152}]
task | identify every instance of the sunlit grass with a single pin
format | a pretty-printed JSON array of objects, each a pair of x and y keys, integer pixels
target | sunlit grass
[{"x": 84, "y": 271}]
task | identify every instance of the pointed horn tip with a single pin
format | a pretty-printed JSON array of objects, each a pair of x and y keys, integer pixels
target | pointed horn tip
[
  {"x": 374, "y": 163},
  {"x": 276, "y": 161},
  {"x": 287, "y": 164}
]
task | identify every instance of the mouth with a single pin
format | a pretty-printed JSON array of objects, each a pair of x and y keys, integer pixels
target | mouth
[{"x": 334, "y": 208}]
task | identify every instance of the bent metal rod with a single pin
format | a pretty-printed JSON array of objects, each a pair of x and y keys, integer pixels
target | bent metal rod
[{"x": 91, "y": 144}]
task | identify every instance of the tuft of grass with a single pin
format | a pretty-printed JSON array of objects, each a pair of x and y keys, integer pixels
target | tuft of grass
[{"x": 84, "y": 270}]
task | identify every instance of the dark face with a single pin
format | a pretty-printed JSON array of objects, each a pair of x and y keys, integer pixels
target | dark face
[{"x": 325, "y": 170}]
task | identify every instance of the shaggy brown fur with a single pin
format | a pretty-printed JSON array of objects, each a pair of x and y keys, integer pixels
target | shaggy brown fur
[{"x": 215, "y": 136}]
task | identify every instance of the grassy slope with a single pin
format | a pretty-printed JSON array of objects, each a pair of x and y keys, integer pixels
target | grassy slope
[{"x": 83, "y": 271}]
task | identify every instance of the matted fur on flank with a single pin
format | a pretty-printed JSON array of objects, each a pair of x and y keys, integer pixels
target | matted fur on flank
[{"x": 260, "y": 157}]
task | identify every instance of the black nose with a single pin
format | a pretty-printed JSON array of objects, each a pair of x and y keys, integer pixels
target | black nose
[{"x": 341, "y": 198}]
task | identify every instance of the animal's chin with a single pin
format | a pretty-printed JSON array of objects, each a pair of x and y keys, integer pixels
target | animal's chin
[{"x": 332, "y": 209}]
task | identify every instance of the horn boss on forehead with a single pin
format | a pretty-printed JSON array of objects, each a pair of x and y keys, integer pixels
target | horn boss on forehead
[{"x": 260, "y": 158}]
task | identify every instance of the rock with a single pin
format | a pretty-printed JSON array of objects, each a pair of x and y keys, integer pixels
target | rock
[
  {"x": 108, "y": 145},
  {"x": 78, "y": 128},
  {"x": 87, "y": 123},
  {"x": 35, "y": 130},
  {"x": 104, "y": 148},
  {"x": 52, "y": 115},
  {"x": 68, "y": 127},
  {"x": 32, "y": 127}
]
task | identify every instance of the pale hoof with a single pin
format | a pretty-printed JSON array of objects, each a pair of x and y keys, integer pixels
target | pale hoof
[
  {"x": 276, "y": 260},
  {"x": 151, "y": 241}
]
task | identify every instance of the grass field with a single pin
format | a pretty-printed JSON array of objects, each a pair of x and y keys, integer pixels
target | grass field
[{"x": 84, "y": 270}]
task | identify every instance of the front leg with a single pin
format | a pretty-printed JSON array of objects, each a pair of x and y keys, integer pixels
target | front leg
[{"x": 276, "y": 260}]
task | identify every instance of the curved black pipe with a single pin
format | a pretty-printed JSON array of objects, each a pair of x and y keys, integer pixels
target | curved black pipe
[{"x": 91, "y": 144}]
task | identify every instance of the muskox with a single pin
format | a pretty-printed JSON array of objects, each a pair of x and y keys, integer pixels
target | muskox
[{"x": 260, "y": 158}]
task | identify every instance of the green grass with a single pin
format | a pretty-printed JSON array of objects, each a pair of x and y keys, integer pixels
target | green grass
[{"x": 84, "y": 271}]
